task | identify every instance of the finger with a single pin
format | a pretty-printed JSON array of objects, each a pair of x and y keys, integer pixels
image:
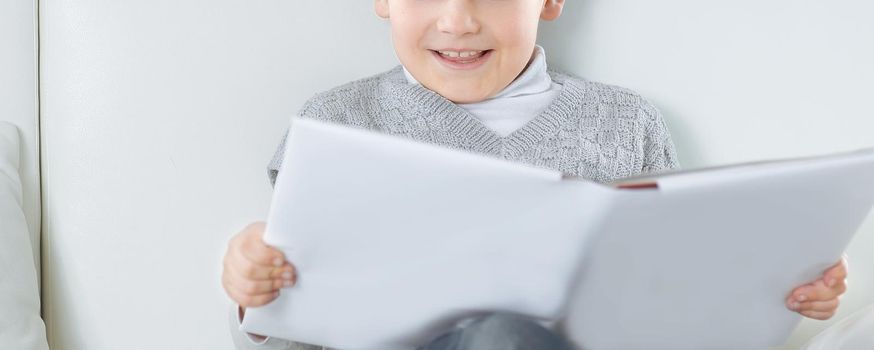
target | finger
[
  {"x": 275, "y": 283},
  {"x": 248, "y": 301},
  {"x": 820, "y": 306},
  {"x": 244, "y": 294},
  {"x": 256, "y": 251},
  {"x": 818, "y": 291},
  {"x": 254, "y": 287},
  {"x": 284, "y": 272},
  {"x": 250, "y": 242},
  {"x": 836, "y": 273},
  {"x": 247, "y": 269},
  {"x": 251, "y": 270},
  {"x": 817, "y": 315}
]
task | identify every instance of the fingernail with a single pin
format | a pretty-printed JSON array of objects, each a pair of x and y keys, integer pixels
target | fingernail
[
  {"x": 277, "y": 262},
  {"x": 287, "y": 283},
  {"x": 831, "y": 282},
  {"x": 796, "y": 306},
  {"x": 801, "y": 297},
  {"x": 286, "y": 275}
]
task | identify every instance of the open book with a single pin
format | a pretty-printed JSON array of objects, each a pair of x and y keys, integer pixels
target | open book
[{"x": 395, "y": 241}]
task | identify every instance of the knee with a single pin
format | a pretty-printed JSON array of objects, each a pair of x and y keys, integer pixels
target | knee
[
  {"x": 508, "y": 331},
  {"x": 501, "y": 323}
]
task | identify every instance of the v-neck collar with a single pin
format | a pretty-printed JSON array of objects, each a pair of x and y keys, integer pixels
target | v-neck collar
[{"x": 476, "y": 136}]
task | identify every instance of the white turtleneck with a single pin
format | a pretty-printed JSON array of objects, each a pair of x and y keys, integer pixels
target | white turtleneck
[{"x": 518, "y": 103}]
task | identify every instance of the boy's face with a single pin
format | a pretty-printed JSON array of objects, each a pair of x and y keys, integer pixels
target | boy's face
[{"x": 466, "y": 50}]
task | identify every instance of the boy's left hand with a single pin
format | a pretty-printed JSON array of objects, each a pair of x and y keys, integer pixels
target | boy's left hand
[{"x": 819, "y": 299}]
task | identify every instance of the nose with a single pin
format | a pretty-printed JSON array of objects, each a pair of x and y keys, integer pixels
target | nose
[{"x": 458, "y": 18}]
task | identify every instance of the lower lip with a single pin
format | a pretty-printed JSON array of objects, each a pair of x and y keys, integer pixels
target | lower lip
[{"x": 463, "y": 66}]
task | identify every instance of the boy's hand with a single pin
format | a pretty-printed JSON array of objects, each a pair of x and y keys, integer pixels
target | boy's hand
[
  {"x": 254, "y": 272},
  {"x": 819, "y": 300}
]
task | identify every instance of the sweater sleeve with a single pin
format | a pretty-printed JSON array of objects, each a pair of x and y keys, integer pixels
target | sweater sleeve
[
  {"x": 659, "y": 153},
  {"x": 246, "y": 341},
  {"x": 276, "y": 161},
  {"x": 315, "y": 108}
]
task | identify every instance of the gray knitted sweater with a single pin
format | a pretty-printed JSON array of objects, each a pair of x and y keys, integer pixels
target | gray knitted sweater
[{"x": 592, "y": 130}]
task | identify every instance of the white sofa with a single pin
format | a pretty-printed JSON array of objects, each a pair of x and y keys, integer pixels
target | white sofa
[
  {"x": 157, "y": 119},
  {"x": 20, "y": 324}
]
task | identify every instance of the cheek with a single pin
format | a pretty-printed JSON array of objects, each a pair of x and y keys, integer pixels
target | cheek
[
  {"x": 517, "y": 43},
  {"x": 512, "y": 14},
  {"x": 408, "y": 37},
  {"x": 517, "y": 32},
  {"x": 405, "y": 46}
]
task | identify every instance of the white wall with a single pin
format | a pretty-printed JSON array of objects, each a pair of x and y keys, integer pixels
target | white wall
[
  {"x": 18, "y": 99},
  {"x": 160, "y": 116}
]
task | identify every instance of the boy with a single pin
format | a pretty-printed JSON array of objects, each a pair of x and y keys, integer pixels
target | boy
[{"x": 472, "y": 78}]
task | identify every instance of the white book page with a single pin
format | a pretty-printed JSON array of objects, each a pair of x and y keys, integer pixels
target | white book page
[
  {"x": 708, "y": 259},
  {"x": 395, "y": 241}
]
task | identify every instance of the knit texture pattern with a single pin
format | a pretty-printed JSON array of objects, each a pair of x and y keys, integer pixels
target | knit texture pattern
[{"x": 591, "y": 130}]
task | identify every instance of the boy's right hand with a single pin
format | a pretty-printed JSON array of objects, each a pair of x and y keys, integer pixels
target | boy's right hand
[{"x": 253, "y": 272}]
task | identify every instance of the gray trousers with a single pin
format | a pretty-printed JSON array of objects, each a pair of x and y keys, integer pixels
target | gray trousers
[{"x": 500, "y": 332}]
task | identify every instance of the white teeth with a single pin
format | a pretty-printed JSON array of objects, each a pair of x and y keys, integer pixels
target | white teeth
[{"x": 462, "y": 54}]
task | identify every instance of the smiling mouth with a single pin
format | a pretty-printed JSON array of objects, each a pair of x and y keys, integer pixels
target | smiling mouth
[{"x": 461, "y": 57}]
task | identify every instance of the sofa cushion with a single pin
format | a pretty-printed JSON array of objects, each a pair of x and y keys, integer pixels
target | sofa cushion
[{"x": 20, "y": 326}]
